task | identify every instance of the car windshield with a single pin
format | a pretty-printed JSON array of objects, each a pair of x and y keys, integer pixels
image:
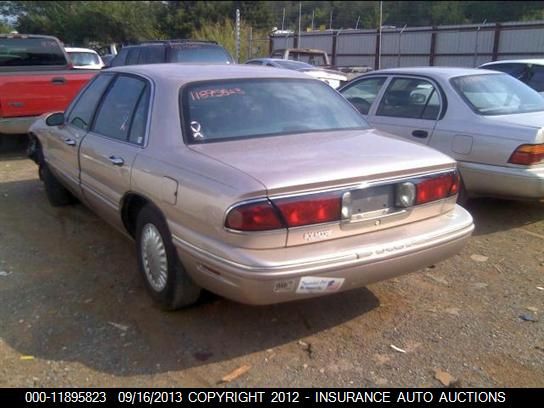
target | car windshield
[
  {"x": 200, "y": 53},
  {"x": 84, "y": 58},
  {"x": 30, "y": 51},
  {"x": 223, "y": 110},
  {"x": 498, "y": 94}
]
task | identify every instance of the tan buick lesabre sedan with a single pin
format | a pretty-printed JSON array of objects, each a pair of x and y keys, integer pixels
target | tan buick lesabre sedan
[{"x": 261, "y": 185}]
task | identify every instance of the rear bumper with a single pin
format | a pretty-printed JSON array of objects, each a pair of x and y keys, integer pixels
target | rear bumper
[
  {"x": 278, "y": 275},
  {"x": 19, "y": 125},
  {"x": 510, "y": 182}
]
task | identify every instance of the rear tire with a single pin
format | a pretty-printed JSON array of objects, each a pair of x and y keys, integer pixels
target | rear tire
[
  {"x": 164, "y": 275},
  {"x": 57, "y": 194}
]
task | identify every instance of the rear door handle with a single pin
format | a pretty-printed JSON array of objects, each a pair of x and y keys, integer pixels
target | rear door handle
[
  {"x": 70, "y": 142},
  {"x": 116, "y": 161},
  {"x": 59, "y": 80},
  {"x": 420, "y": 133}
]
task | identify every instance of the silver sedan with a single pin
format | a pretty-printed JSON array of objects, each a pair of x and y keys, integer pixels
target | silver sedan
[
  {"x": 491, "y": 123},
  {"x": 260, "y": 185}
]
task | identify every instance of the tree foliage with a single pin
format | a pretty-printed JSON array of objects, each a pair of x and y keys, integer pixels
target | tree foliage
[{"x": 80, "y": 22}]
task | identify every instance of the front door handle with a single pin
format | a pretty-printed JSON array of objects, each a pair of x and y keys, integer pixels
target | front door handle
[
  {"x": 70, "y": 142},
  {"x": 116, "y": 161},
  {"x": 58, "y": 80},
  {"x": 420, "y": 133}
]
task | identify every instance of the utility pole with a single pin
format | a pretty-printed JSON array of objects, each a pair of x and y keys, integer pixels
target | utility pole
[
  {"x": 313, "y": 14},
  {"x": 357, "y": 23},
  {"x": 380, "y": 31},
  {"x": 330, "y": 21},
  {"x": 283, "y": 19},
  {"x": 400, "y": 38},
  {"x": 238, "y": 35},
  {"x": 299, "y": 17}
]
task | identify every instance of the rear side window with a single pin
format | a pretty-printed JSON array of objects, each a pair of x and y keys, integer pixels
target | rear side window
[
  {"x": 84, "y": 58},
  {"x": 114, "y": 116},
  {"x": 30, "y": 51},
  {"x": 82, "y": 112},
  {"x": 153, "y": 54},
  {"x": 139, "y": 122},
  {"x": 410, "y": 98}
]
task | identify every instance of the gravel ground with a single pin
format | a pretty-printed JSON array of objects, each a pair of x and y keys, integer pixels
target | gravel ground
[{"x": 74, "y": 312}]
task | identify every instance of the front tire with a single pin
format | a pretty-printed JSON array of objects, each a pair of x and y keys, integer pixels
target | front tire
[{"x": 164, "y": 275}]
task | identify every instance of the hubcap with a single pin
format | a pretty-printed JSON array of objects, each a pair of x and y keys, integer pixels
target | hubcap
[{"x": 154, "y": 258}]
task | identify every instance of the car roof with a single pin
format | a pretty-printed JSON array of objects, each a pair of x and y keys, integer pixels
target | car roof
[
  {"x": 181, "y": 73},
  {"x": 537, "y": 61},
  {"x": 442, "y": 72},
  {"x": 77, "y": 49}
]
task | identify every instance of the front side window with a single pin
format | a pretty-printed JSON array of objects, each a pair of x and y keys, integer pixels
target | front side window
[
  {"x": 223, "y": 110},
  {"x": 115, "y": 114},
  {"x": 498, "y": 94},
  {"x": 82, "y": 112},
  {"x": 363, "y": 93},
  {"x": 410, "y": 98}
]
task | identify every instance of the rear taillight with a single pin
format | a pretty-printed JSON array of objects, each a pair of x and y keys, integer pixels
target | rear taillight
[
  {"x": 259, "y": 216},
  {"x": 310, "y": 209},
  {"x": 436, "y": 188},
  {"x": 285, "y": 212},
  {"x": 528, "y": 154}
]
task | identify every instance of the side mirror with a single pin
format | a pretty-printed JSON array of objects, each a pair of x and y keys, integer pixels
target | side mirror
[{"x": 55, "y": 119}]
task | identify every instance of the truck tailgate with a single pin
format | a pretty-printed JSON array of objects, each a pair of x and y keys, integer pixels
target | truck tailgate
[{"x": 34, "y": 93}]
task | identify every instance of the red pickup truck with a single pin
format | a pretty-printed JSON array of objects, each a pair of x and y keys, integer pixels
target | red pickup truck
[{"x": 36, "y": 77}]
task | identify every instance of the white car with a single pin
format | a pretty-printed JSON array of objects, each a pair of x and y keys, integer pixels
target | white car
[
  {"x": 491, "y": 123},
  {"x": 528, "y": 71},
  {"x": 84, "y": 58}
]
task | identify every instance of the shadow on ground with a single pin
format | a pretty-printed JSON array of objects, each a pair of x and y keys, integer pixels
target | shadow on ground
[
  {"x": 73, "y": 294},
  {"x": 494, "y": 215}
]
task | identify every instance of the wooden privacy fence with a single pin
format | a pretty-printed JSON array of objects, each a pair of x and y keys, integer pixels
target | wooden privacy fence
[{"x": 461, "y": 45}]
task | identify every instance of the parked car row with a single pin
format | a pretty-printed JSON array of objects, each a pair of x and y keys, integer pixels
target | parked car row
[{"x": 264, "y": 185}]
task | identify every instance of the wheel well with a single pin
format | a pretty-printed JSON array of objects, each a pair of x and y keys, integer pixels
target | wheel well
[{"x": 132, "y": 204}]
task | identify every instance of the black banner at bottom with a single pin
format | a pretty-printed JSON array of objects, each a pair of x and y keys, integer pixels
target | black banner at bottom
[{"x": 180, "y": 396}]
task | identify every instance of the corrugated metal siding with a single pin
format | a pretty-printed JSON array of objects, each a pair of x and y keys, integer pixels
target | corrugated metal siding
[
  {"x": 320, "y": 42},
  {"x": 525, "y": 40},
  {"x": 415, "y": 43},
  {"x": 460, "y": 61},
  {"x": 356, "y": 44},
  {"x": 463, "y": 42},
  {"x": 358, "y": 61},
  {"x": 282, "y": 42}
]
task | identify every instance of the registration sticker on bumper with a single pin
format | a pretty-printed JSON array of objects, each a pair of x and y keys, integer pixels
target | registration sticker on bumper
[{"x": 310, "y": 284}]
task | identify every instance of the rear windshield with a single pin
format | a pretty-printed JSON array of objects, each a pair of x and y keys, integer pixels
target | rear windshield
[
  {"x": 294, "y": 65},
  {"x": 30, "y": 51},
  {"x": 84, "y": 58},
  {"x": 234, "y": 109},
  {"x": 498, "y": 94},
  {"x": 200, "y": 53}
]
